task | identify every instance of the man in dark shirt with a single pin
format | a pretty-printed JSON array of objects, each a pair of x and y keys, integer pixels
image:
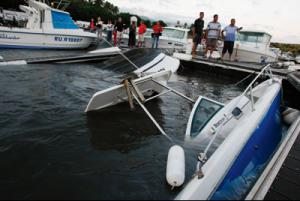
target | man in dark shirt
[
  {"x": 197, "y": 32},
  {"x": 119, "y": 26}
]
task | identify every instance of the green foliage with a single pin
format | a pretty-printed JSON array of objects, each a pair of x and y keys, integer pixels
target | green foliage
[{"x": 294, "y": 48}]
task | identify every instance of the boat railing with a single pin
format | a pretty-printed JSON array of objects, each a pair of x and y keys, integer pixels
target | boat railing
[{"x": 236, "y": 112}]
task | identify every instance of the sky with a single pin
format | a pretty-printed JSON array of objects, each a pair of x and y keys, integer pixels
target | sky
[{"x": 277, "y": 17}]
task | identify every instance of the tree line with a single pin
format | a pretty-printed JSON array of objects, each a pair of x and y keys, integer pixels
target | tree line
[{"x": 85, "y": 10}]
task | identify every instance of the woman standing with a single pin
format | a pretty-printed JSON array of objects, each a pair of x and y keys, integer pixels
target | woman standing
[
  {"x": 92, "y": 25},
  {"x": 157, "y": 31},
  {"x": 132, "y": 35},
  {"x": 110, "y": 28},
  {"x": 99, "y": 28}
]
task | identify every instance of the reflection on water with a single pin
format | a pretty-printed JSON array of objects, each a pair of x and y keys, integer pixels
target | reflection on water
[
  {"x": 50, "y": 149},
  {"x": 120, "y": 128}
]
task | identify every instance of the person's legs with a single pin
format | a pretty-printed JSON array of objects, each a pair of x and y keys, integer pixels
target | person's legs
[
  {"x": 157, "y": 41},
  {"x": 230, "y": 49},
  {"x": 213, "y": 46},
  {"x": 153, "y": 41},
  {"x": 195, "y": 44},
  {"x": 208, "y": 47},
  {"x": 225, "y": 48}
]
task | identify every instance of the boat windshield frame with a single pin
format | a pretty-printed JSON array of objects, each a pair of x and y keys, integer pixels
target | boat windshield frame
[
  {"x": 253, "y": 37},
  {"x": 213, "y": 104}
]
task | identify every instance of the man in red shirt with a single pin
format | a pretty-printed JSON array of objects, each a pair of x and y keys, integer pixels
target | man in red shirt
[
  {"x": 157, "y": 31},
  {"x": 142, "y": 31}
]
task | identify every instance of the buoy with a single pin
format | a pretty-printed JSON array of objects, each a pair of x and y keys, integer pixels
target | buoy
[
  {"x": 290, "y": 115},
  {"x": 176, "y": 166}
]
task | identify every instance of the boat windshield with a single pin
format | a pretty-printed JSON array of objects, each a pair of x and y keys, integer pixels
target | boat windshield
[
  {"x": 173, "y": 33},
  {"x": 205, "y": 111},
  {"x": 253, "y": 37}
]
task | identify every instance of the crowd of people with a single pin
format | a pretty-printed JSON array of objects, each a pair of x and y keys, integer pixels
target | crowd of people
[
  {"x": 209, "y": 37},
  {"x": 115, "y": 32}
]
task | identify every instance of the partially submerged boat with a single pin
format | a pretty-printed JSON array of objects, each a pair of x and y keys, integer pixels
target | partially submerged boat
[
  {"x": 238, "y": 140},
  {"x": 253, "y": 46},
  {"x": 46, "y": 28},
  {"x": 142, "y": 86}
]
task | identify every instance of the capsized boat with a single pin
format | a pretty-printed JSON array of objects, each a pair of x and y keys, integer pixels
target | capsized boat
[
  {"x": 238, "y": 140},
  {"x": 144, "y": 85},
  {"x": 253, "y": 46},
  {"x": 47, "y": 28}
]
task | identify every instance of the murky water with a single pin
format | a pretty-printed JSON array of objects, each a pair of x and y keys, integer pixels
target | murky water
[{"x": 50, "y": 149}]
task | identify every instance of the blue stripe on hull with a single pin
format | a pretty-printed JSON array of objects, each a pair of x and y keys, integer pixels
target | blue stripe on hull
[{"x": 253, "y": 158}]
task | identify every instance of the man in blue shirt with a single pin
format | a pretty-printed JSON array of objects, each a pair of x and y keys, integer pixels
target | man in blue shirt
[{"x": 229, "y": 38}]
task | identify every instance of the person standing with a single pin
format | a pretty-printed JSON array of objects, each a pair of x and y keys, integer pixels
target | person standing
[
  {"x": 132, "y": 35},
  {"x": 142, "y": 31},
  {"x": 109, "y": 29},
  {"x": 229, "y": 38},
  {"x": 212, "y": 35},
  {"x": 92, "y": 25},
  {"x": 99, "y": 26},
  {"x": 197, "y": 32},
  {"x": 119, "y": 28},
  {"x": 157, "y": 32}
]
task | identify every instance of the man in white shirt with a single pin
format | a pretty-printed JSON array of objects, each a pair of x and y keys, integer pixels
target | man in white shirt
[
  {"x": 213, "y": 32},
  {"x": 229, "y": 38}
]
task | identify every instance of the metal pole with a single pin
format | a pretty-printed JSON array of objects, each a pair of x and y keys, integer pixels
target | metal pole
[
  {"x": 174, "y": 91},
  {"x": 152, "y": 118},
  {"x": 123, "y": 55}
]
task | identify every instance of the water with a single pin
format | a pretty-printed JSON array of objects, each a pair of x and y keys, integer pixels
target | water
[{"x": 50, "y": 149}]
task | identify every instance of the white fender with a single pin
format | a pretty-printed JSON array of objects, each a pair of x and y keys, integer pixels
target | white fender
[{"x": 176, "y": 166}]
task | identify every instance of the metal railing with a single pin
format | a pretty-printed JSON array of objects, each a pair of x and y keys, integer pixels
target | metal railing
[{"x": 249, "y": 90}]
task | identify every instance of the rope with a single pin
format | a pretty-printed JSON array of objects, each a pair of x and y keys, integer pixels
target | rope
[{"x": 123, "y": 55}]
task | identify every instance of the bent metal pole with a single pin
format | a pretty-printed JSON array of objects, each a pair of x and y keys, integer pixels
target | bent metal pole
[
  {"x": 151, "y": 117},
  {"x": 123, "y": 55}
]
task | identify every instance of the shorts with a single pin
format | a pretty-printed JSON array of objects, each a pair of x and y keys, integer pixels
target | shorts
[
  {"x": 228, "y": 46},
  {"x": 197, "y": 39},
  {"x": 211, "y": 42},
  {"x": 141, "y": 37},
  {"x": 119, "y": 35}
]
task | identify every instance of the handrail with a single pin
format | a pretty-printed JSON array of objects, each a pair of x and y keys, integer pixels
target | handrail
[{"x": 203, "y": 156}]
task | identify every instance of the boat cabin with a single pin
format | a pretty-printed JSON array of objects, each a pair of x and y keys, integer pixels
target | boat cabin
[{"x": 254, "y": 37}]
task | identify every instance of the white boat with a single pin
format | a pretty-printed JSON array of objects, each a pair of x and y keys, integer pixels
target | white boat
[
  {"x": 239, "y": 139},
  {"x": 253, "y": 46},
  {"x": 47, "y": 28},
  {"x": 172, "y": 38},
  {"x": 118, "y": 94}
]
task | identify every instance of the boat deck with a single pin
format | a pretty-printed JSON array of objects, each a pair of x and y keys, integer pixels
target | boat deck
[{"x": 286, "y": 185}]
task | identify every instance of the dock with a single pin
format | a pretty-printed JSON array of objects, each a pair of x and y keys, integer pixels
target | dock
[
  {"x": 231, "y": 68},
  {"x": 281, "y": 178},
  {"x": 92, "y": 56}
]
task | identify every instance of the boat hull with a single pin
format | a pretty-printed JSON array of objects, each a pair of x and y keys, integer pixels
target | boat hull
[
  {"x": 250, "y": 142},
  {"x": 19, "y": 39},
  {"x": 254, "y": 156}
]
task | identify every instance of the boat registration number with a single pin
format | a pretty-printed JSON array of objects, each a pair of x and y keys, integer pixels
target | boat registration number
[{"x": 68, "y": 39}]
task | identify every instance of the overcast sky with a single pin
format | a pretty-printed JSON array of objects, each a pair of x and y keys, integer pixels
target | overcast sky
[{"x": 280, "y": 18}]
